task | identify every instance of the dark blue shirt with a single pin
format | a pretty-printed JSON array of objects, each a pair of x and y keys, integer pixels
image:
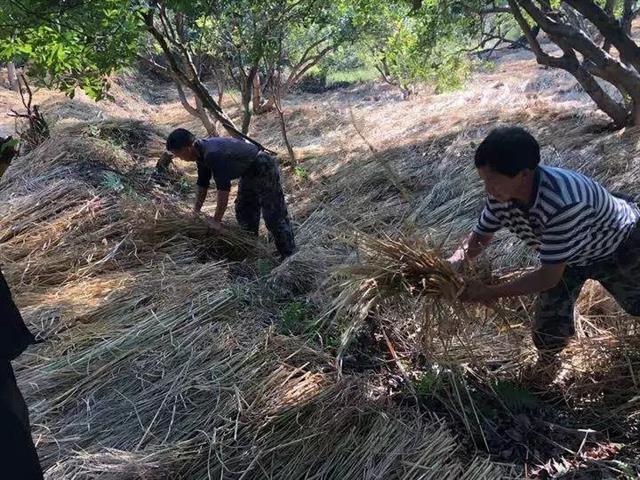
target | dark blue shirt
[{"x": 224, "y": 159}]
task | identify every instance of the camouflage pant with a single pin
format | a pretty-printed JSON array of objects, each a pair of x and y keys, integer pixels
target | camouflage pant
[
  {"x": 619, "y": 274},
  {"x": 260, "y": 190}
]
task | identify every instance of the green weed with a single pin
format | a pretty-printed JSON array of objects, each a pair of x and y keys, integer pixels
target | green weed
[
  {"x": 300, "y": 172},
  {"x": 514, "y": 396},
  {"x": 112, "y": 181},
  {"x": 296, "y": 318},
  {"x": 358, "y": 75}
]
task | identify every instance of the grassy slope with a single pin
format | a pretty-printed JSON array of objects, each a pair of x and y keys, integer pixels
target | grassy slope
[{"x": 148, "y": 371}]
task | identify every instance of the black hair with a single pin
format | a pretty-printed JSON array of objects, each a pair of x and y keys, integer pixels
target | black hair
[
  {"x": 179, "y": 139},
  {"x": 509, "y": 151}
]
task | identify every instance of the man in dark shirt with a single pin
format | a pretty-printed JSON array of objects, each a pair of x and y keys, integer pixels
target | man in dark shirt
[
  {"x": 18, "y": 456},
  {"x": 259, "y": 189}
]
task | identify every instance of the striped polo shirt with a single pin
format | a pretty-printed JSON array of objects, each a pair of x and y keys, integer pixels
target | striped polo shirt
[{"x": 573, "y": 219}]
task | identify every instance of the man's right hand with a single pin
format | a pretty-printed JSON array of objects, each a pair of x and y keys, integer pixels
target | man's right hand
[
  {"x": 456, "y": 264},
  {"x": 457, "y": 261}
]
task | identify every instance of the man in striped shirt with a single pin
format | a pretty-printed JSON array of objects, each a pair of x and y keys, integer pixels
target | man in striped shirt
[{"x": 579, "y": 229}]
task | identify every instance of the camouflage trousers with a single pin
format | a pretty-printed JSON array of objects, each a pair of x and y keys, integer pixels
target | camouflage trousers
[
  {"x": 619, "y": 274},
  {"x": 260, "y": 190}
]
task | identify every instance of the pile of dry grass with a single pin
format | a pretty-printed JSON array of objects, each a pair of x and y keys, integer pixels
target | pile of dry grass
[
  {"x": 169, "y": 226},
  {"x": 79, "y": 207},
  {"x": 203, "y": 391},
  {"x": 157, "y": 364},
  {"x": 141, "y": 140},
  {"x": 304, "y": 272},
  {"x": 405, "y": 277}
]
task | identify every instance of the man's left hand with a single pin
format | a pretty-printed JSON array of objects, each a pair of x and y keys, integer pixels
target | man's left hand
[{"x": 475, "y": 291}]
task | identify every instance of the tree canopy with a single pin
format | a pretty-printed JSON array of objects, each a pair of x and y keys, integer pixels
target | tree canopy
[
  {"x": 259, "y": 45},
  {"x": 71, "y": 44}
]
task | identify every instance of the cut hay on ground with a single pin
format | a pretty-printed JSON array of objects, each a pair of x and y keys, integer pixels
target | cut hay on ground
[
  {"x": 407, "y": 277},
  {"x": 156, "y": 364},
  {"x": 162, "y": 359}
]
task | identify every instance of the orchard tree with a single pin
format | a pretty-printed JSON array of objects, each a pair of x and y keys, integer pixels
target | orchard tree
[
  {"x": 427, "y": 42},
  {"x": 586, "y": 56},
  {"x": 273, "y": 37},
  {"x": 72, "y": 44},
  {"x": 79, "y": 44},
  {"x": 591, "y": 40}
]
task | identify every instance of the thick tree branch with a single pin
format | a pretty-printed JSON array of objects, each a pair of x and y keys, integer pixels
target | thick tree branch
[
  {"x": 302, "y": 69},
  {"x": 626, "y": 77},
  {"x": 156, "y": 67},
  {"x": 184, "y": 102},
  {"x": 610, "y": 29},
  {"x": 569, "y": 62}
]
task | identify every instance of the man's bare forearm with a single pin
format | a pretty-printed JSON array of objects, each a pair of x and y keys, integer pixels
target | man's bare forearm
[
  {"x": 473, "y": 246},
  {"x": 201, "y": 195},
  {"x": 540, "y": 280},
  {"x": 221, "y": 205}
]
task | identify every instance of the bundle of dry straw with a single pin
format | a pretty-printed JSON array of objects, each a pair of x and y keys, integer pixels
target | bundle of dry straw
[
  {"x": 172, "y": 225},
  {"x": 396, "y": 274}
]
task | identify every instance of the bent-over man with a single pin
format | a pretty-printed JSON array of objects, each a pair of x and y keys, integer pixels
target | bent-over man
[
  {"x": 259, "y": 187},
  {"x": 579, "y": 230}
]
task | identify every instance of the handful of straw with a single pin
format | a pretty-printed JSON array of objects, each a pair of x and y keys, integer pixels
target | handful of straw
[
  {"x": 169, "y": 227},
  {"x": 401, "y": 270},
  {"x": 401, "y": 266}
]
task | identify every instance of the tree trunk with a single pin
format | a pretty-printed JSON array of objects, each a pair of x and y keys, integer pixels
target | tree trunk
[
  {"x": 246, "y": 108},
  {"x": 257, "y": 93},
  {"x": 285, "y": 137},
  {"x": 609, "y": 9},
  {"x": 584, "y": 59},
  {"x": 220, "y": 92},
  {"x": 247, "y": 94},
  {"x": 209, "y": 124},
  {"x": 12, "y": 77}
]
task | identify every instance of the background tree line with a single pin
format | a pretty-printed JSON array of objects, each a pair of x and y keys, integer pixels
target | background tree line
[{"x": 263, "y": 49}]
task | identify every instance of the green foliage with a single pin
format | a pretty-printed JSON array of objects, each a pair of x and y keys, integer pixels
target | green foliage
[
  {"x": 185, "y": 186},
  {"x": 250, "y": 33},
  {"x": 428, "y": 383},
  {"x": 430, "y": 44},
  {"x": 79, "y": 44},
  {"x": 514, "y": 396},
  {"x": 364, "y": 74},
  {"x": 264, "y": 266},
  {"x": 71, "y": 44},
  {"x": 451, "y": 72},
  {"x": 112, "y": 181},
  {"x": 300, "y": 172},
  {"x": 296, "y": 318},
  {"x": 10, "y": 145},
  {"x": 117, "y": 184}
]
